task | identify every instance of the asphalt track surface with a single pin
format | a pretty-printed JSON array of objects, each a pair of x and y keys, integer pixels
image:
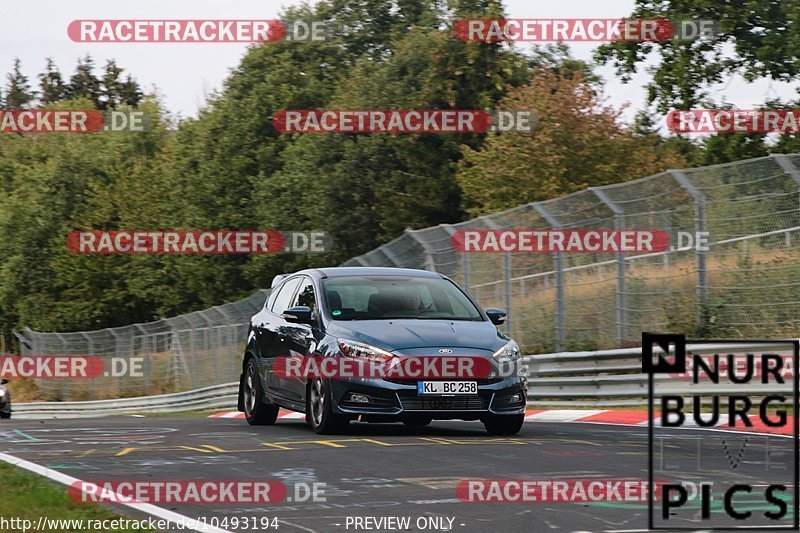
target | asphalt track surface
[{"x": 382, "y": 470}]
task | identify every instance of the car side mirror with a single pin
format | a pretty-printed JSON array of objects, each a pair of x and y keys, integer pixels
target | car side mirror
[
  {"x": 299, "y": 314},
  {"x": 3, "y": 382},
  {"x": 496, "y": 316}
]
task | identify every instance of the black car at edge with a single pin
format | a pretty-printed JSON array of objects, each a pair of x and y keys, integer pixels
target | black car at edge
[{"x": 376, "y": 312}]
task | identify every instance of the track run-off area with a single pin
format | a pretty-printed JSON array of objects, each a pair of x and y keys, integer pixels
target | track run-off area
[{"x": 382, "y": 470}]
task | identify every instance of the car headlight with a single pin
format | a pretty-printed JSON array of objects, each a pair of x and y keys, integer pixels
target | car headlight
[
  {"x": 508, "y": 353},
  {"x": 364, "y": 351}
]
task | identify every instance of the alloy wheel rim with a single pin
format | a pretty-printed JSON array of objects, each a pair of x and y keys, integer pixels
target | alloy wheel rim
[
  {"x": 249, "y": 393},
  {"x": 317, "y": 402}
]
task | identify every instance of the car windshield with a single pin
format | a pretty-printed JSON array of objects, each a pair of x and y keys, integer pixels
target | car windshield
[{"x": 396, "y": 297}]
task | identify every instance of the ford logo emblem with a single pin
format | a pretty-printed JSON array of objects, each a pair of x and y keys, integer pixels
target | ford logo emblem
[{"x": 445, "y": 350}]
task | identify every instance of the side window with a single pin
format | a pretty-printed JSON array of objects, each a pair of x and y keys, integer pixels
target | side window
[
  {"x": 271, "y": 299},
  {"x": 305, "y": 296},
  {"x": 281, "y": 302}
]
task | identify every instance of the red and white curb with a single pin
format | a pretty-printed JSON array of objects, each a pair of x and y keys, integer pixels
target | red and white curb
[
  {"x": 608, "y": 416},
  {"x": 236, "y": 414}
]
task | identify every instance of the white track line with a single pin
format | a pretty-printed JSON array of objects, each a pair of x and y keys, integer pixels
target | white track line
[{"x": 148, "y": 508}]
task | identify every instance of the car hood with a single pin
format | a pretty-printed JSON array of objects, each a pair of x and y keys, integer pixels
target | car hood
[{"x": 398, "y": 335}]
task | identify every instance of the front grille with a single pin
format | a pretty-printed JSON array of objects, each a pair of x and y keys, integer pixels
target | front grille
[{"x": 444, "y": 403}]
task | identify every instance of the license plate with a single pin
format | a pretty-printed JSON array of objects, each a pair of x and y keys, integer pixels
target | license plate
[{"x": 447, "y": 387}]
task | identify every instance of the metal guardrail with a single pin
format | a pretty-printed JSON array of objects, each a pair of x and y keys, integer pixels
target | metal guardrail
[
  {"x": 602, "y": 378},
  {"x": 217, "y": 396},
  {"x": 613, "y": 378}
]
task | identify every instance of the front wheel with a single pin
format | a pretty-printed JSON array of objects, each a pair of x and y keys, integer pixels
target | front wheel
[
  {"x": 319, "y": 410},
  {"x": 256, "y": 411},
  {"x": 503, "y": 424},
  {"x": 5, "y": 415}
]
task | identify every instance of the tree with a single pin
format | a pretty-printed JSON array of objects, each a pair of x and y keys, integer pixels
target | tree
[
  {"x": 755, "y": 38},
  {"x": 117, "y": 91},
  {"x": 51, "y": 85},
  {"x": 726, "y": 147},
  {"x": 112, "y": 86},
  {"x": 579, "y": 143},
  {"x": 558, "y": 58},
  {"x": 412, "y": 173},
  {"x": 18, "y": 90},
  {"x": 51, "y": 185},
  {"x": 130, "y": 93},
  {"x": 84, "y": 84}
]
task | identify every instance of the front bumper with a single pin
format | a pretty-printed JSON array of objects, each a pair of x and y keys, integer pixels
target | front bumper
[{"x": 388, "y": 399}]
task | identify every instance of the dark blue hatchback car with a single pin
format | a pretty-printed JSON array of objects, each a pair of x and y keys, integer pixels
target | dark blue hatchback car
[{"x": 378, "y": 314}]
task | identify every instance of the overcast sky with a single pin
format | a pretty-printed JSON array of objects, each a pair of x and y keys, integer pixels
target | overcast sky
[{"x": 185, "y": 73}]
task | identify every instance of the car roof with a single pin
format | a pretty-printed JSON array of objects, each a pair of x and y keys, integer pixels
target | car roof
[{"x": 333, "y": 272}]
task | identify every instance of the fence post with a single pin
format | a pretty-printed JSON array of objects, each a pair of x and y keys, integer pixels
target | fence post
[
  {"x": 231, "y": 348},
  {"x": 391, "y": 256},
  {"x": 64, "y": 381},
  {"x": 465, "y": 259},
  {"x": 26, "y": 346},
  {"x": 430, "y": 264},
  {"x": 619, "y": 225},
  {"x": 148, "y": 363},
  {"x": 117, "y": 353},
  {"x": 786, "y": 164},
  {"x": 464, "y": 256},
  {"x": 700, "y": 226},
  {"x": 492, "y": 225},
  {"x": 559, "y": 260}
]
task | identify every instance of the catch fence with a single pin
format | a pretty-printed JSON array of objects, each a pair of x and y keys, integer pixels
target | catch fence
[{"x": 743, "y": 286}]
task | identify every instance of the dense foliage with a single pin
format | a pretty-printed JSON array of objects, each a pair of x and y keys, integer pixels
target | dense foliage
[{"x": 229, "y": 168}]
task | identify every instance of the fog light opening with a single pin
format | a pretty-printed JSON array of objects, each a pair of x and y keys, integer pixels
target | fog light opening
[{"x": 358, "y": 398}]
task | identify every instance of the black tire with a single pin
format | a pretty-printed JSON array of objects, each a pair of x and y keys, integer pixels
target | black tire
[
  {"x": 503, "y": 424},
  {"x": 417, "y": 422},
  {"x": 256, "y": 412},
  {"x": 5, "y": 415},
  {"x": 319, "y": 409}
]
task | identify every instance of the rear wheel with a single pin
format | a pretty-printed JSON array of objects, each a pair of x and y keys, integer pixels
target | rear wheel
[
  {"x": 319, "y": 409},
  {"x": 256, "y": 411},
  {"x": 504, "y": 424},
  {"x": 5, "y": 415}
]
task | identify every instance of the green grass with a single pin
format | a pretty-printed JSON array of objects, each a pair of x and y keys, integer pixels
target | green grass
[{"x": 28, "y": 496}]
